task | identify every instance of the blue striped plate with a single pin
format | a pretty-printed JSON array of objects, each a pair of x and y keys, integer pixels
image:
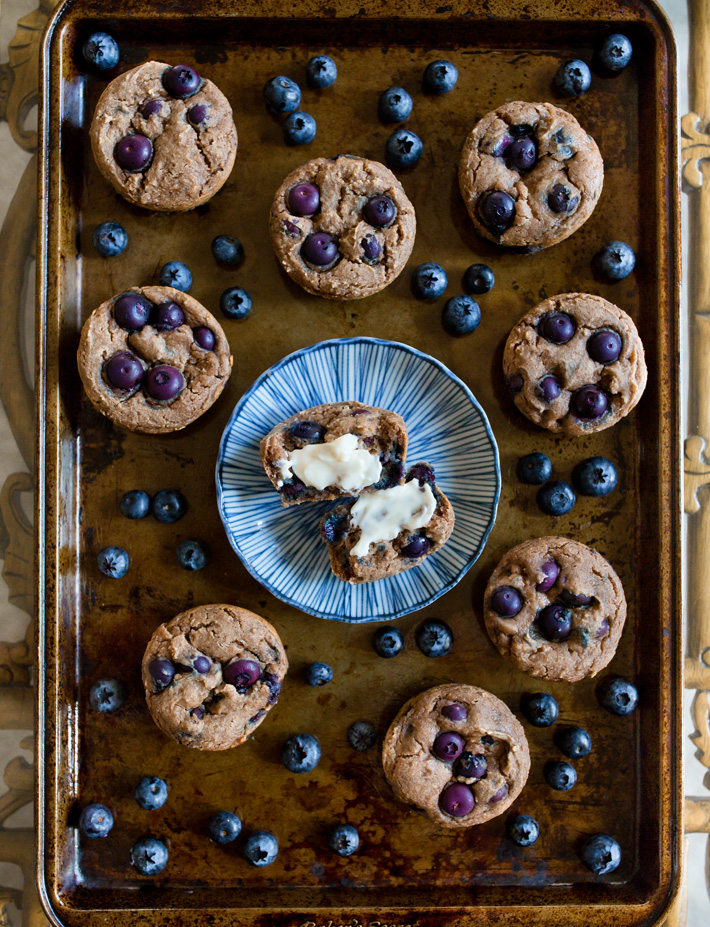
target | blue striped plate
[{"x": 281, "y": 547}]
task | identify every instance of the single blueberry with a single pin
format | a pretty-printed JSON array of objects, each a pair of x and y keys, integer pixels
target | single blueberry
[
  {"x": 614, "y": 261},
  {"x": 134, "y": 503},
  {"x": 574, "y": 600},
  {"x": 554, "y": 622},
  {"x": 589, "y": 403},
  {"x": 478, "y": 278},
  {"x": 321, "y": 71},
  {"x": 163, "y": 382},
  {"x": 604, "y": 347},
  {"x": 177, "y": 275},
  {"x": 434, "y": 638},
  {"x": 181, "y": 81},
  {"x": 595, "y": 476},
  {"x": 447, "y": 746},
  {"x": 506, "y": 601},
  {"x": 202, "y": 664},
  {"x": 282, "y": 95},
  {"x": 557, "y": 327},
  {"x": 227, "y": 250},
  {"x": 362, "y": 736},
  {"x": 319, "y": 249},
  {"x": 550, "y": 571},
  {"x": 133, "y": 152},
  {"x": 560, "y": 775},
  {"x": 371, "y": 250},
  {"x": 523, "y": 830},
  {"x": 95, "y": 821},
  {"x": 151, "y": 793},
  {"x": 614, "y": 53},
  {"x": 132, "y": 311},
  {"x": 574, "y": 742},
  {"x": 440, "y": 76},
  {"x": 429, "y": 281},
  {"x": 461, "y": 315},
  {"x": 534, "y": 469},
  {"x": 471, "y": 766},
  {"x": 149, "y": 856},
  {"x": 301, "y": 753},
  {"x": 168, "y": 317},
  {"x": 224, "y": 827},
  {"x": 455, "y": 711},
  {"x": 150, "y": 108},
  {"x": 110, "y": 239},
  {"x": 113, "y": 562},
  {"x": 394, "y": 105},
  {"x": 515, "y": 383},
  {"x": 421, "y": 472},
  {"x": 162, "y": 672},
  {"x": 318, "y": 674},
  {"x": 193, "y": 554},
  {"x": 299, "y": 128},
  {"x": 197, "y": 114},
  {"x": 235, "y": 303},
  {"x": 260, "y": 848},
  {"x": 601, "y": 854},
  {"x": 343, "y": 839},
  {"x": 417, "y": 546},
  {"x": 548, "y": 389},
  {"x": 457, "y": 800},
  {"x": 560, "y": 199},
  {"x": 306, "y": 431},
  {"x": 242, "y": 674},
  {"x": 618, "y": 696},
  {"x": 123, "y": 371},
  {"x": 540, "y": 709},
  {"x": 379, "y": 211},
  {"x": 303, "y": 199},
  {"x": 556, "y": 498},
  {"x": 403, "y": 148},
  {"x": 387, "y": 641},
  {"x": 168, "y": 505},
  {"x": 101, "y": 51},
  {"x": 497, "y": 211},
  {"x": 107, "y": 695},
  {"x": 521, "y": 155},
  {"x": 499, "y": 795},
  {"x": 572, "y": 78},
  {"x": 334, "y": 527},
  {"x": 204, "y": 337}
]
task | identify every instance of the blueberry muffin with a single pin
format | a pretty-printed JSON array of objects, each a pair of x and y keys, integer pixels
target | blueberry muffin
[
  {"x": 386, "y": 532},
  {"x": 212, "y": 674},
  {"x": 555, "y": 608},
  {"x": 164, "y": 137},
  {"x": 458, "y": 753},
  {"x": 152, "y": 359},
  {"x": 342, "y": 227},
  {"x": 575, "y": 364},
  {"x": 530, "y": 175},
  {"x": 335, "y": 450}
]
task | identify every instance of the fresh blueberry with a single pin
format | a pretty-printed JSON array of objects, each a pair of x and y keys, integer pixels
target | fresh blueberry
[
  {"x": 168, "y": 317},
  {"x": 319, "y": 249},
  {"x": 548, "y": 389},
  {"x": 260, "y": 848},
  {"x": 362, "y": 736},
  {"x": 162, "y": 672},
  {"x": 478, "y": 278},
  {"x": 321, "y": 71},
  {"x": 554, "y": 622},
  {"x": 557, "y": 327},
  {"x": 304, "y": 199},
  {"x": 434, "y": 638},
  {"x": 95, "y": 821},
  {"x": 110, "y": 239},
  {"x": 604, "y": 347},
  {"x": 614, "y": 261},
  {"x": 417, "y": 546},
  {"x": 506, "y": 601},
  {"x": 523, "y": 830},
  {"x": 301, "y": 753},
  {"x": 497, "y": 211},
  {"x": 204, "y": 337},
  {"x": 150, "y": 108},
  {"x": 534, "y": 469},
  {"x": 572, "y": 78},
  {"x": 113, "y": 562},
  {"x": 540, "y": 709},
  {"x": 440, "y": 76},
  {"x": 197, "y": 114},
  {"x": 618, "y": 696},
  {"x": 227, "y": 250},
  {"x": 299, "y": 129},
  {"x": 574, "y": 742},
  {"x": 318, "y": 674},
  {"x": 457, "y": 800},
  {"x": 163, "y": 382},
  {"x": 107, "y": 695},
  {"x": 193, "y": 554},
  {"x": 134, "y": 503},
  {"x": 224, "y": 827},
  {"x": 394, "y": 105},
  {"x": 100, "y": 50},
  {"x": 132, "y": 311},
  {"x": 455, "y": 711},
  {"x": 429, "y": 281},
  {"x": 461, "y": 315},
  {"x": 403, "y": 148},
  {"x": 448, "y": 746},
  {"x": 614, "y": 53},
  {"x": 550, "y": 571},
  {"x": 589, "y": 403},
  {"x": 151, "y": 793},
  {"x": 471, "y": 766},
  {"x": 556, "y": 498},
  {"x": 595, "y": 476},
  {"x": 133, "y": 152},
  {"x": 371, "y": 250},
  {"x": 601, "y": 854},
  {"x": 235, "y": 303},
  {"x": 202, "y": 664},
  {"x": 343, "y": 839},
  {"x": 521, "y": 155},
  {"x": 560, "y": 199},
  {"x": 379, "y": 211},
  {"x": 242, "y": 674},
  {"x": 387, "y": 641},
  {"x": 168, "y": 506},
  {"x": 560, "y": 775},
  {"x": 149, "y": 856},
  {"x": 181, "y": 81},
  {"x": 177, "y": 275},
  {"x": 282, "y": 95}
]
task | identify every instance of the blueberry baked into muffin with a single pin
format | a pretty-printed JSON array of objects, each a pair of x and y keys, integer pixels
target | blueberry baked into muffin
[
  {"x": 575, "y": 364},
  {"x": 388, "y": 531},
  {"x": 342, "y": 227},
  {"x": 335, "y": 450},
  {"x": 164, "y": 137},
  {"x": 530, "y": 175},
  {"x": 458, "y": 753},
  {"x": 555, "y": 608},
  {"x": 212, "y": 674},
  {"x": 153, "y": 359}
]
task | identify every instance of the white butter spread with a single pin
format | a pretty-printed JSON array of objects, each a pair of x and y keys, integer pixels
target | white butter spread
[
  {"x": 381, "y": 516},
  {"x": 342, "y": 463}
]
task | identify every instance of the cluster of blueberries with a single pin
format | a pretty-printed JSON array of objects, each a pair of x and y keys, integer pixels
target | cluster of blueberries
[
  {"x": 573, "y": 78},
  {"x": 434, "y": 638},
  {"x": 461, "y": 314},
  {"x": 595, "y": 476}
]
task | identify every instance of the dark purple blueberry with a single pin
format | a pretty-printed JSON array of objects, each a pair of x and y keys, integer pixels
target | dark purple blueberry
[
  {"x": 371, "y": 249},
  {"x": 227, "y": 250},
  {"x": 522, "y": 154},
  {"x": 319, "y": 249},
  {"x": 515, "y": 383},
  {"x": 224, "y": 827},
  {"x": 293, "y": 488},
  {"x": 604, "y": 347},
  {"x": 540, "y": 709},
  {"x": 487, "y": 740},
  {"x": 168, "y": 506},
  {"x": 618, "y": 696},
  {"x": 198, "y": 712},
  {"x": 589, "y": 403},
  {"x": 574, "y": 600},
  {"x": 572, "y": 78},
  {"x": 403, "y": 149},
  {"x": 257, "y": 717},
  {"x": 273, "y": 684},
  {"x": 151, "y": 793},
  {"x": 534, "y": 469},
  {"x": 614, "y": 261},
  {"x": 110, "y": 239},
  {"x": 235, "y": 302},
  {"x": 499, "y": 795},
  {"x": 416, "y": 547},
  {"x": 429, "y": 281},
  {"x": 434, "y": 638},
  {"x": 301, "y": 753},
  {"x": 461, "y": 315},
  {"x": 506, "y": 601},
  {"x": 318, "y": 674},
  {"x": 242, "y": 674},
  {"x": 523, "y": 830},
  {"x": 601, "y": 854},
  {"x": 149, "y": 856},
  {"x": 440, "y": 76},
  {"x": 168, "y": 317},
  {"x": 388, "y": 641},
  {"x": 557, "y": 327},
  {"x": 379, "y": 211},
  {"x": 448, "y": 746},
  {"x": 497, "y": 211},
  {"x": 150, "y": 108},
  {"x": 132, "y": 311},
  {"x": 478, "y": 279},
  {"x": 550, "y": 571},
  {"x": 556, "y": 498},
  {"x": 303, "y": 199},
  {"x": 181, "y": 81},
  {"x": 455, "y": 712},
  {"x": 282, "y": 95},
  {"x": 595, "y": 476},
  {"x": 202, "y": 664},
  {"x": 133, "y": 152},
  {"x": 574, "y": 742},
  {"x": 457, "y": 800},
  {"x": 343, "y": 839},
  {"x": 162, "y": 672},
  {"x": 291, "y": 230},
  {"x": 177, "y": 275},
  {"x": 299, "y": 128},
  {"x": 560, "y": 775},
  {"x": 192, "y": 554},
  {"x": 362, "y": 736},
  {"x": 204, "y": 337},
  {"x": 197, "y": 114},
  {"x": 555, "y": 622},
  {"x": 334, "y": 527},
  {"x": 394, "y": 105},
  {"x": 471, "y": 766},
  {"x": 95, "y": 821},
  {"x": 422, "y": 473},
  {"x": 321, "y": 71},
  {"x": 163, "y": 382},
  {"x": 548, "y": 389},
  {"x": 560, "y": 199},
  {"x": 306, "y": 431},
  {"x": 123, "y": 371},
  {"x": 107, "y": 695},
  {"x": 614, "y": 54},
  {"x": 603, "y": 629}
]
